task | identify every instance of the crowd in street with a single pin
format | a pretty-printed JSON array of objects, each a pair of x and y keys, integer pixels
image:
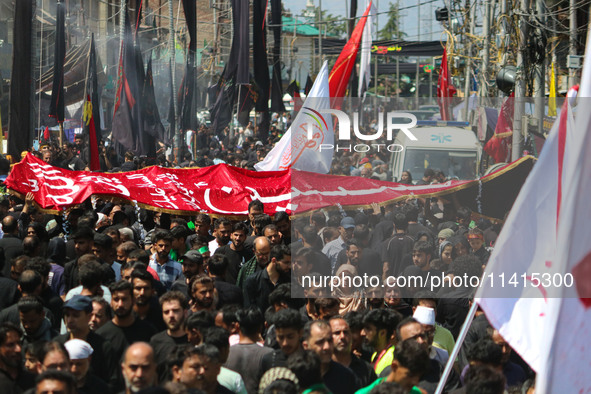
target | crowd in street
[{"x": 104, "y": 299}]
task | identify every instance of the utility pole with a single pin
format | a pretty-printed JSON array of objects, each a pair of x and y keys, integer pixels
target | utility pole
[
  {"x": 520, "y": 84},
  {"x": 572, "y": 42},
  {"x": 319, "y": 35},
  {"x": 504, "y": 35},
  {"x": 472, "y": 15},
  {"x": 539, "y": 74},
  {"x": 486, "y": 50}
]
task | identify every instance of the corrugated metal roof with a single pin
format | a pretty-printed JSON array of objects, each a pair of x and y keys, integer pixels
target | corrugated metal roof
[{"x": 302, "y": 29}]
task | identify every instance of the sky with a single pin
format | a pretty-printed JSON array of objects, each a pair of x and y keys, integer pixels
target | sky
[{"x": 409, "y": 16}]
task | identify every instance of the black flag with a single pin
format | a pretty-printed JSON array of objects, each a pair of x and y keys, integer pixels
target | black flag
[
  {"x": 57, "y": 106},
  {"x": 127, "y": 116},
  {"x": 233, "y": 74},
  {"x": 259, "y": 51},
  {"x": 92, "y": 119},
  {"x": 19, "y": 126},
  {"x": 152, "y": 123},
  {"x": 171, "y": 112},
  {"x": 276, "y": 83}
]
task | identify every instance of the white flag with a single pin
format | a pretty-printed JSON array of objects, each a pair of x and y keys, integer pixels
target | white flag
[
  {"x": 569, "y": 362},
  {"x": 295, "y": 149},
  {"x": 511, "y": 297},
  {"x": 366, "y": 41}
]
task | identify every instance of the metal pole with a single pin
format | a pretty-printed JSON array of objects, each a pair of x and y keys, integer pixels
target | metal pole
[
  {"x": 418, "y": 58},
  {"x": 504, "y": 35},
  {"x": 457, "y": 347},
  {"x": 397, "y": 77},
  {"x": 486, "y": 54},
  {"x": 572, "y": 41},
  {"x": 469, "y": 64},
  {"x": 319, "y": 34},
  {"x": 539, "y": 75},
  {"x": 40, "y": 68},
  {"x": 171, "y": 48},
  {"x": 519, "y": 85}
]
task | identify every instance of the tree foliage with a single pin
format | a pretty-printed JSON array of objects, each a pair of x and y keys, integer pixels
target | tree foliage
[{"x": 391, "y": 30}]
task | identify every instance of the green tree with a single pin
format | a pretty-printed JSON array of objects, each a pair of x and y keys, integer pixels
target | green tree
[
  {"x": 332, "y": 25},
  {"x": 391, "y": 30}
]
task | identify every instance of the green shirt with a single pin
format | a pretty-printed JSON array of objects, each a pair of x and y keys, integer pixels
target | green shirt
[{"x": 367, "y": 389}]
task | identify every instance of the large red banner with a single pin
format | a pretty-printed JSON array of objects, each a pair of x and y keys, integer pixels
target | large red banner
[{"x": 227, "y": 190}]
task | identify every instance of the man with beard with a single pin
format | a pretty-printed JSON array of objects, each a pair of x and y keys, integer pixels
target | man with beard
[
  {"x": 139, "y": 368},
  {"x": 318, "y": 338},
  {"x": 146, "y": 306},
  {"x": 221, "y": 232},
  {"x": 77, "y": 315},
  {"x": 124, "y": 329},
  {"x": 192, "y": 264},
  {"x": 174, "y": 312},
  {"x": 168, "y": 270},
  {"x": 236, "y": 252},
  {"x": 258, "y": 286},
  {"x": 81, "y": 353},
  {"x": 13, "y": 379},
  {"x": 202, "y": 293},
  {"x": 262, "y": 250},
  {"x": 200, "y": 369},
  {"x": 378, "y": 330},
  {"x": 342, "y": 354}
]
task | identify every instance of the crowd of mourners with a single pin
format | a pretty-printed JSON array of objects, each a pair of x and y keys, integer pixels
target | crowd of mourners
[{"x": 110, "y": 299}]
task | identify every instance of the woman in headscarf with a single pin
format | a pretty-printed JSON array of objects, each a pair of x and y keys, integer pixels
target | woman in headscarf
[{"x": 350, "y": 297}]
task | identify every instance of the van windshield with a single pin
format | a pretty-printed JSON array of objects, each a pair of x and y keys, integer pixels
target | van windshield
[{"x": 454, "y": 164}]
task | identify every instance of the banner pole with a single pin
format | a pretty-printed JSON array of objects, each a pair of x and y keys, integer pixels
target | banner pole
[{"x": 457, "y": 347}]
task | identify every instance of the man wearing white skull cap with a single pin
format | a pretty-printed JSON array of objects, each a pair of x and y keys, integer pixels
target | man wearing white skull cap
[{"x": 80, "y": 355}]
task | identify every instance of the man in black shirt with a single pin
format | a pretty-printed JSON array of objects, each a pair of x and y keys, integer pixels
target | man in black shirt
[
  {"x": 11, "y": 245},
  {"x": 236, "y": 252},
  {"x": 139, "y": 368},
  {"x": 228, "y": 293},
  {"x": 146, "y": 306},
  {"x": 174, "y": 311},
  {"x": 124, "y": 329},
  {"x": 258, "y": 286},
  {"x": 77, "y": 314},
  {"x": 288, "y": 331},
  {"x": 318, "y": 338},
  {"x": 13, "y": 379},
  {"x": 343, "y": 341}
]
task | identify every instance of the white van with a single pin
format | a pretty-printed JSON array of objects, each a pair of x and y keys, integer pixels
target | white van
[{"x": 454, "y": 150}]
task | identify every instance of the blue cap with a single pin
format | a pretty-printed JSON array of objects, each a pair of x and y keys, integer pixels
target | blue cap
[
  {"x": 348, "y": 222},
  {"x": 79, "y": 303}
]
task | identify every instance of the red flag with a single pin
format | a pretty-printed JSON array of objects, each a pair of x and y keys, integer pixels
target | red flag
[
  {"x": 46, "y": 134},
  {"x": 341, "y": 72},
  {"x": 444, "y": 88},
  {"x": 498, "y": 146},
  {"x": 94, "y": 164}
]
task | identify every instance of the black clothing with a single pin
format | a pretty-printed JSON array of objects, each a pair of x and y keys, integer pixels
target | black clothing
[
  {"x": 363, "y": 371},
  {"x": 13, "y": 247},
  {"x": 235, "y": 260},
  {"x": 227, "y": 293},
  {"x": 9, "y": 294},
  {"x": 482, "y": 254},
  {"x": 181, "y": 285},
  {"x": 121, "y": 337},
  {"x": 340, "y": 379},
  {"x": 163, "y": 345},
  {"x": 94, "y": 385},
  {"x": 453, "y": 307},
  {"x": 415, "y": 228},
  {"x": 257, "y": 288},
  {"x": 74, "y": 164},
  {"x": 55, "y": 304},
  {"x": 23, "y": 382},
  {"x": 393, "y": 251},
  {"x": 103, "y": 363},
  {"x": 476, "y": 332},
  {"x": 271, "y": 360},
  {"x": 71, "y": 279},
  {"x": 154, "y": 316},
  {"x": 128, "y": 166}
]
